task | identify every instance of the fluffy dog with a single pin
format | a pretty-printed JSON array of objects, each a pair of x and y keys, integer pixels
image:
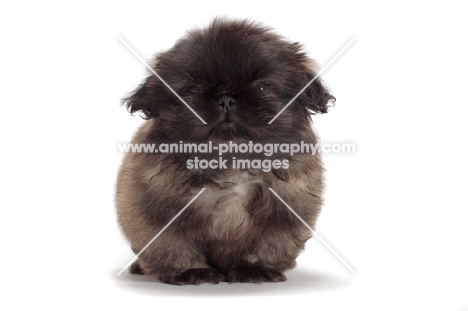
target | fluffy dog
[{"x": 236, "y": 75}]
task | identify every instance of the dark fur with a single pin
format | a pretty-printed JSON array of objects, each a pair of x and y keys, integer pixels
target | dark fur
[{"x": 236, "y": 231}]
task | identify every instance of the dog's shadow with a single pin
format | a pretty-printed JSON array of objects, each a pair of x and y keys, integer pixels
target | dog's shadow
[{"x": 298, "y": 281}]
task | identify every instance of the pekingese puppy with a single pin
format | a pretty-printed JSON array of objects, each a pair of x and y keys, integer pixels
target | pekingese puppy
[{"x": 236, "y": 76}]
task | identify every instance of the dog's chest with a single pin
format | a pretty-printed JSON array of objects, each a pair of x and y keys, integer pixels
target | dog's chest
[{"x": 227, "y": 202}]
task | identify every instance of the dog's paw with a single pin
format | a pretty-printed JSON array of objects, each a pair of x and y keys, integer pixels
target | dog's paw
[
  {"x": 254, "y": 274},
  {"x": 194, "y": 276},
  {"x": 135, "y": 268}
]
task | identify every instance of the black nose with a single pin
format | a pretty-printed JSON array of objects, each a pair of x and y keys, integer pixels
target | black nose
[{"x": 226, "y": 103}]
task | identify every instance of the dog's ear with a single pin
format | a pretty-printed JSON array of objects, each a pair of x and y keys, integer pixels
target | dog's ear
[
  {"x": 144, "y": 99},
  {"x": 317, "y": 97}
]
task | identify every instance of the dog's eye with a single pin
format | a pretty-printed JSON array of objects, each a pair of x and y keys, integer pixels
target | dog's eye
[
  {"x": 265, "y": 88},
  {"x": 190, "y": 90}
]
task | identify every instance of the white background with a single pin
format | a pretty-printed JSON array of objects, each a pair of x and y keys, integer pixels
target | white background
[{"x": 396, "y": 210}]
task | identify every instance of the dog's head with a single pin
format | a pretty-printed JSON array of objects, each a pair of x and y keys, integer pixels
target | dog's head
[{"x": 237, "y": 76}]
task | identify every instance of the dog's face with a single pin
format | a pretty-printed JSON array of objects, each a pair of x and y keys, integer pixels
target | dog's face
[{"x": 237, "y": 76}]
